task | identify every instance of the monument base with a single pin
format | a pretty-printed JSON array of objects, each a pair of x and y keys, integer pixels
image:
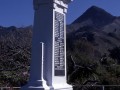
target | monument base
[
  {"x": 62, "y": 87},
  {"x": 45, "y": 87},
  {"x": 38, "y": 85}
]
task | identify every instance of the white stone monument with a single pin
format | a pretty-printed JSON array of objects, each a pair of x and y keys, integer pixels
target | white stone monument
[{"x": 48, "y": 65}]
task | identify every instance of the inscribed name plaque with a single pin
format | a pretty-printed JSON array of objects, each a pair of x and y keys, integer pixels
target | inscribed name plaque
[{"x": 59, "y": 62}]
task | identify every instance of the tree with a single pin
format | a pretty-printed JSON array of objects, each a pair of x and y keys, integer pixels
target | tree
[{"x": 115, "y": 54}]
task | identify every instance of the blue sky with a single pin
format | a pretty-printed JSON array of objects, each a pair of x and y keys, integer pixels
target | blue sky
[{"x": 20, "y": 12}]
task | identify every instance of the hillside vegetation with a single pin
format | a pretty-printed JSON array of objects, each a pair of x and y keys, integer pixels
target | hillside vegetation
[{"x": 15, "y": 55}]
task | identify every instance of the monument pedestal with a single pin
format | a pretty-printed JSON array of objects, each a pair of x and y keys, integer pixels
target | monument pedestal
[
  {"x": 40, "y": 85},
  {"x": 63, "y": 86},
  {"x": 48, "y": 64},
  {"x": 36, "y": 85}
]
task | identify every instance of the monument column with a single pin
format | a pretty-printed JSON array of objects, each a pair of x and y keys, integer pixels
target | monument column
[
  {"x": 59, "y": 45},
  {"x": 48, "y": 64}
]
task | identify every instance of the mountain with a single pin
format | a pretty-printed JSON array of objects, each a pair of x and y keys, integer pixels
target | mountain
[
  {"x": 93, "y": 16},
  {"x": 7, "y": 30},
  {"x": 96, "y": 17},
  {"x": 95, "y": 21}
]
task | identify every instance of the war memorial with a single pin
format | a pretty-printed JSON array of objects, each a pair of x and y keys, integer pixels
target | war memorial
[{"x": 48, "y": 64}]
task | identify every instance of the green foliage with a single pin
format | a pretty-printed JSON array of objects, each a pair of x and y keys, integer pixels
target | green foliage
[
  {"x": 15, "y": 55},
  {"x": 88, "y": 69},
  {"x": 84, "y": 68},
  {"x": 115, "y": 54}
]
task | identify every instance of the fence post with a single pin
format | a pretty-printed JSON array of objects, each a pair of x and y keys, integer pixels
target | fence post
[
  {"x": 1, "y": 88},
  {"x": 103, "y": 87}
]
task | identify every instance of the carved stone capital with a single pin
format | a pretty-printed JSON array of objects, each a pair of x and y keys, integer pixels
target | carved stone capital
[{"x": 62, "y": 3}]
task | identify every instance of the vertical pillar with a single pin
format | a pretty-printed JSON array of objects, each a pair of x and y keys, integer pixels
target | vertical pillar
[
  {"x": 59, "y": 45},
  {"x": 48, "y": 64}
]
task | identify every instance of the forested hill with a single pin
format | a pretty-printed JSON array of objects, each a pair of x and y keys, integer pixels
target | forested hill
[{"x": 15, "y": 55}]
